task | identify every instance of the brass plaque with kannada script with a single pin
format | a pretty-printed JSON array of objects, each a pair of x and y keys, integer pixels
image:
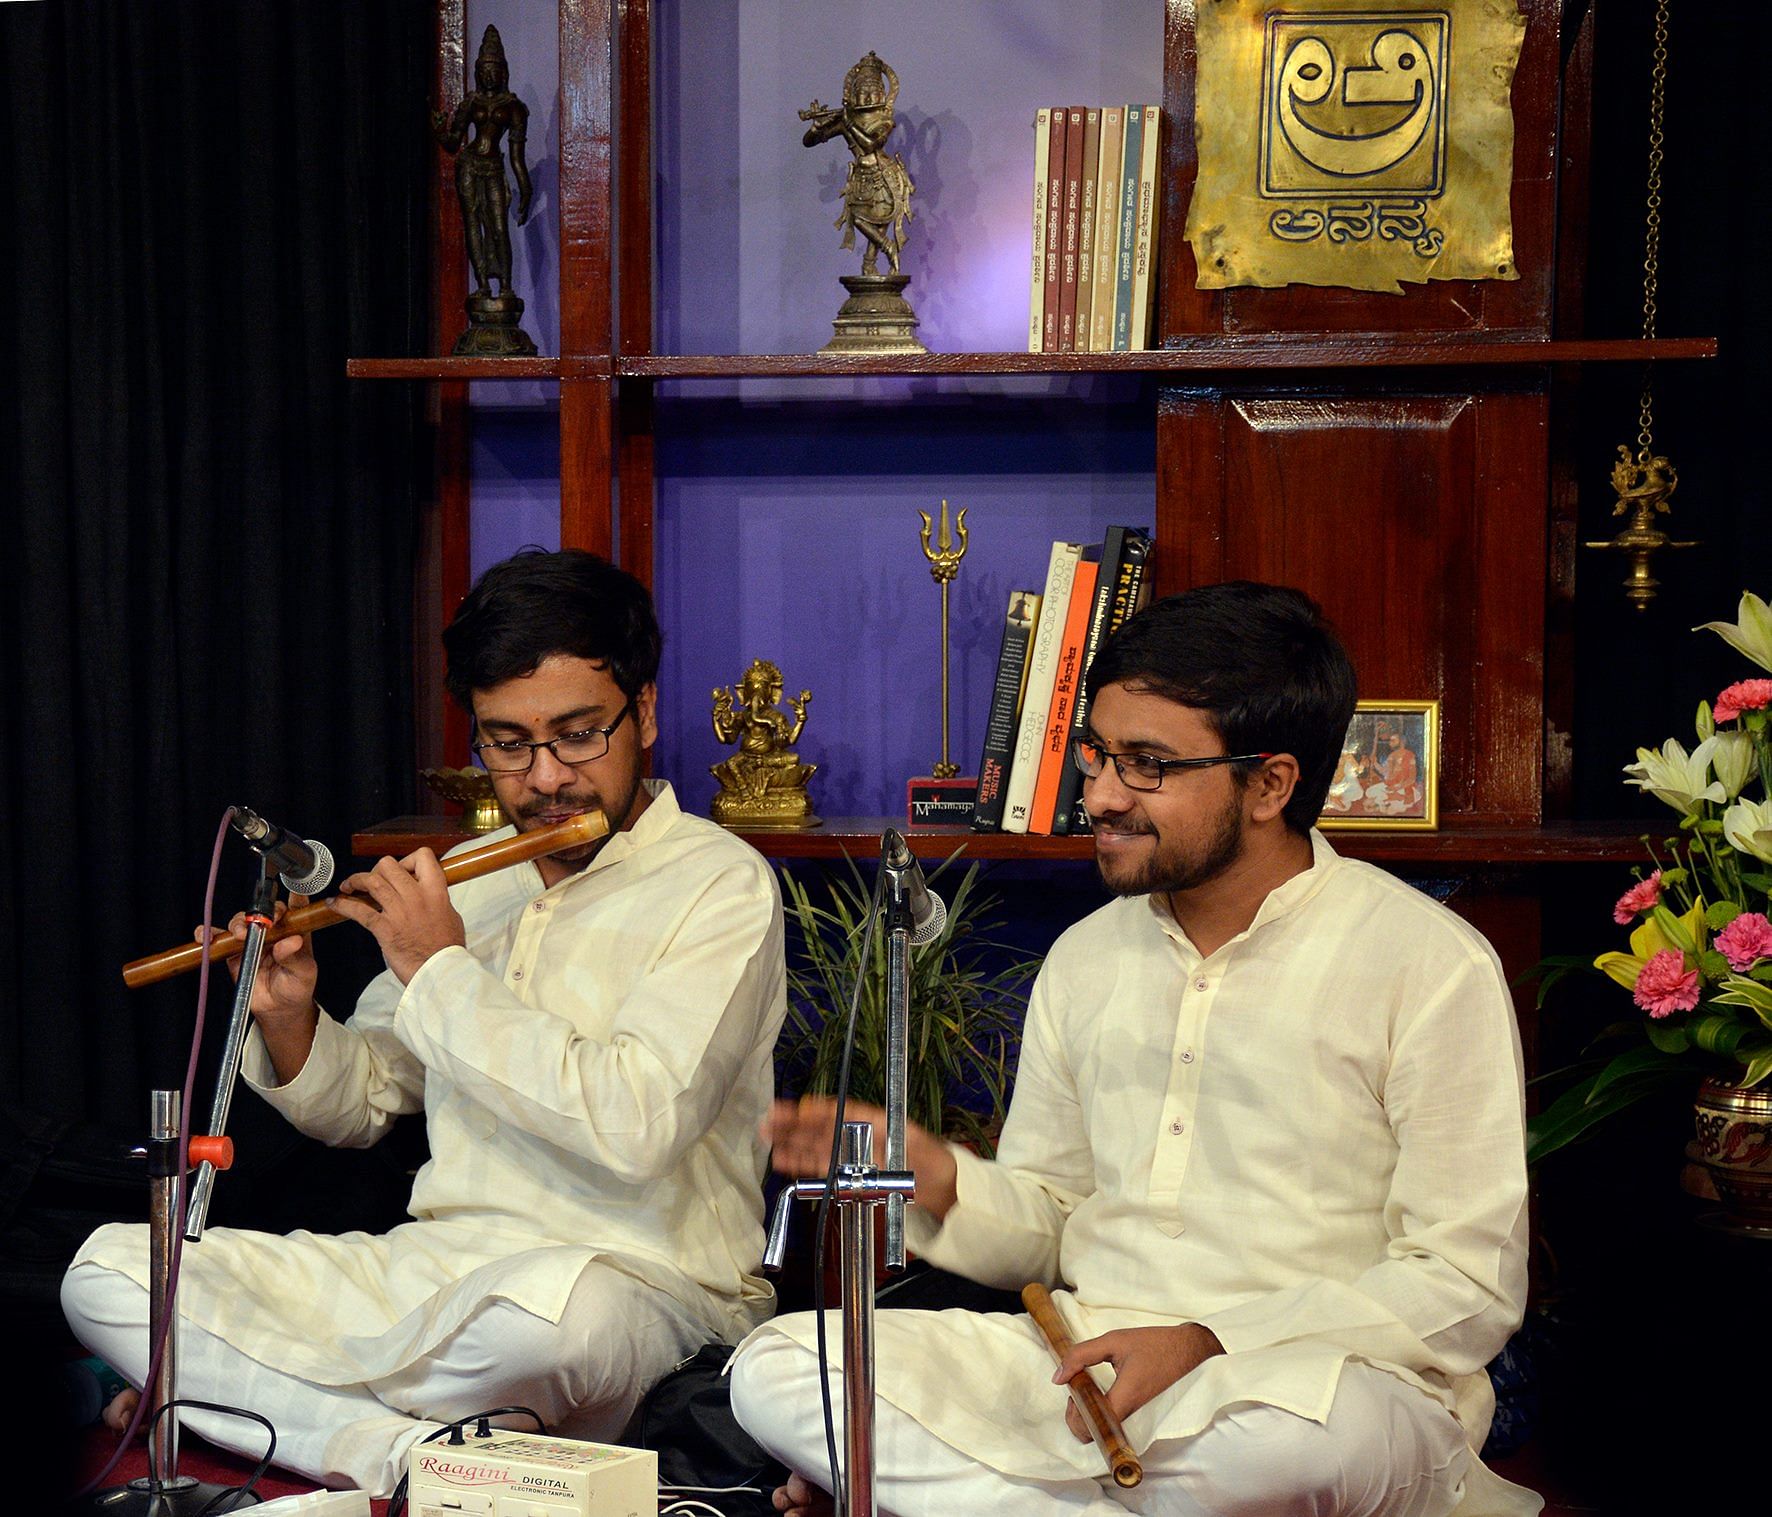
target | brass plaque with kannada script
[{"x": 1347, "y": 144}]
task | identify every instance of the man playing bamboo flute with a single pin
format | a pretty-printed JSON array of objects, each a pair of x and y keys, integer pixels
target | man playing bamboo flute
[
  {"x": 590, "y": 1039},
  {"x": 1266, "y": 1145}
]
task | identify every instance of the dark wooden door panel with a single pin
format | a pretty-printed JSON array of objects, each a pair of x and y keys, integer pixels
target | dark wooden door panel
[{"x": 1417, "y": 521}]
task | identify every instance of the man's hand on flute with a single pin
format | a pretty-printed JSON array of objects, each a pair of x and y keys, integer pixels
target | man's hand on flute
[
  {"x": 405, "y": 904},
  {"x": 283, "y": 994},
  {"x": 1146, "y": 1361},
  {"x": 799, "y": 1135}
]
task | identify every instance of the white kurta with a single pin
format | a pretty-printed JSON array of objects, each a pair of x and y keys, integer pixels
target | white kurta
[
  {"x": 592, "y": 1066},
  {"x": 1311, "y": 1141}
]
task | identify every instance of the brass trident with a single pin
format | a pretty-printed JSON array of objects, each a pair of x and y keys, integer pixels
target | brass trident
[{"x": 944, "y": 563}]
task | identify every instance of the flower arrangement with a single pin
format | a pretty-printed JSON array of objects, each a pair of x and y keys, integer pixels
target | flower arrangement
[{"x": 1699, "y": 968}]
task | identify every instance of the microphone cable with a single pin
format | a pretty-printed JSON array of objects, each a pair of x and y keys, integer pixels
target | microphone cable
[
  {"x": 821, "y": 1227},
  {"x": 182, "y": 1179}
]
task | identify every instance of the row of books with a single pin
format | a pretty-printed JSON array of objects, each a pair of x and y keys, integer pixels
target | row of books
[
  {"x": 1028, "y": 780},
  {"x": 1095, "y": 217}
]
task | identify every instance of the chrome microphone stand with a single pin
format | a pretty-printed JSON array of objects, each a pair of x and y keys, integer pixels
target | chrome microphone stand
[
  {"x": 259, "y": 921},
  {"x": 859, "y": 1187}
]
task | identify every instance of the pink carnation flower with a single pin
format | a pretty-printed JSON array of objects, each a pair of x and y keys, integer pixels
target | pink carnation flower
[
  {"x": 1747, "y": 939},
  {"x": 1665, "y": 985},
  {"x": 1645, "y": 895},
  {"x": 1743, "y": 695}
]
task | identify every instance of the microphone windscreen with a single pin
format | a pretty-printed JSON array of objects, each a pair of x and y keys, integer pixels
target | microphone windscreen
[
  {"x": 317, "y": 878},
  {"x": 933, "y": 923}
]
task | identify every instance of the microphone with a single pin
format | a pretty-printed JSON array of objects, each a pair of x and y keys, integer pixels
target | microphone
[
  {"x": 304, "y": 864},
  {"x": 929, "y": 913}
]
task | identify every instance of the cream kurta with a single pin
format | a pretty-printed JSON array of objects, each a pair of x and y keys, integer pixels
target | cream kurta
[
  {"x": 592, "y": 1066},
  {"x": 1312, "y": 1141}
]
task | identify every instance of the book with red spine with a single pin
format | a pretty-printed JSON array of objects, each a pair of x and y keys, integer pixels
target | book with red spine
[
  {"x": 1070, "y": 229},
  {"x": 1086, "y": 219}
]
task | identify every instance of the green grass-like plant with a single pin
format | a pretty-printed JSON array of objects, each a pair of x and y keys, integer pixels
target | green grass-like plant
[{"x": 968, "y": 995}]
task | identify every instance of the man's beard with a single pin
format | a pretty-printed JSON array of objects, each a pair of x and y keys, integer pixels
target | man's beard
[
  {"x": 615, "y": 812},
  {"x": 1168, "y": 870}
]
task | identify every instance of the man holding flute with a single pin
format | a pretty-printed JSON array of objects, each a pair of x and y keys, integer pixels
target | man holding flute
[
  {"x": 1266, "y": 1145},
  {"x": 590, "y": 1039}
]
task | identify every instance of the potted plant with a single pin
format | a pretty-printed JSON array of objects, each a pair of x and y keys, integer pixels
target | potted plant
[
  {"x": 967, "y": 999},
  {"x": 1699, "y": 967}
]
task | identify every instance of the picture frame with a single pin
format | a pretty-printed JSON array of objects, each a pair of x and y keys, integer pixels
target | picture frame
[{"x": 1388, "y": 778}]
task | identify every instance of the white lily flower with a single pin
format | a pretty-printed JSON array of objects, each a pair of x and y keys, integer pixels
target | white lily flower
[
  {"x": 1751, "y": 631},
  {"x": 1677, "y": 778},
  {"x": 1748, "y": 827},
  {"x": 1733, "y": 761}
]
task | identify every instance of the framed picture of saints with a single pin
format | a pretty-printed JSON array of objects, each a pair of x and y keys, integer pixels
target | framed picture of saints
[{"x": 1388, "y": 776}]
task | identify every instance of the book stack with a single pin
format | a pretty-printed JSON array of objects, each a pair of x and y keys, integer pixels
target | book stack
[
  {"x": 1027, "y": 778},
  {"x": 1095, "y": 218}
]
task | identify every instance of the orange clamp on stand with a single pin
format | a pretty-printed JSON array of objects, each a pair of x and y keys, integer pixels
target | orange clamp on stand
[{"x": 218, "y": 1151}]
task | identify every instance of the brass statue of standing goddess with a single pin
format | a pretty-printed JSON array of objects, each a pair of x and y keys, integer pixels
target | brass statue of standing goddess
[
  {"x": 494, "y": 321},
  {"x": 875, "y": 318},
  {"x": 764, "y": 783}
]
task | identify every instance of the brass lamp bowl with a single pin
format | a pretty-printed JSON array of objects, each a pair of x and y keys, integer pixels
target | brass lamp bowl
[{"x": 470, "y": 789}]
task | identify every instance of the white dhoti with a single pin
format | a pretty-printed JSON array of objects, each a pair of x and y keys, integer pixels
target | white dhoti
[
  {"x": 583, "y": 1372},
  {"x": 1384, "y": 1450}
]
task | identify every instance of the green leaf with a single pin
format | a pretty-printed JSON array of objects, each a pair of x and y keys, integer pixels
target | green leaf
[
  {"x": 1717, "y": 1034},
  {"x": 1572, "y": 1115},
  {"x": 1758, "y": 1067},
  {"x": 1740, "y": 990},
  {"x": 1550, "y": 972},
  {"x": 1629, "y": 1065},
  {"x": 1761, "y": 971},
  {"x": 1668, "y": 1037},
  {"x": 1757, "y": 880},
  {"x": 1720, "y": 914}
]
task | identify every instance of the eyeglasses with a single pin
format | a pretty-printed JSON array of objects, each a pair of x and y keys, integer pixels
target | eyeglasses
[
  {"x": 516, "y": 757},
  {"x": 1145, "y": 771}
]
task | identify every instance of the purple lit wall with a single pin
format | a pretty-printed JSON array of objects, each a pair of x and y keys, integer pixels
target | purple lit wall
[{"x": 787, "y": 514}]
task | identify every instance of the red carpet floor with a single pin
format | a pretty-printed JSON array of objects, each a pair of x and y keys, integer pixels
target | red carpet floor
[{"x": 196, "y": 1458}]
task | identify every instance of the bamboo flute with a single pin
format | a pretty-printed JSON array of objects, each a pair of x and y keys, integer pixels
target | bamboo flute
[
  {"x": 1104, "y": 1427},
  {"x": 574, "y": 832}
]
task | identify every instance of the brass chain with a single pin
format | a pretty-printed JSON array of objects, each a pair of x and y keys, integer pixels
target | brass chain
[{"x": 1652, "y": 218}]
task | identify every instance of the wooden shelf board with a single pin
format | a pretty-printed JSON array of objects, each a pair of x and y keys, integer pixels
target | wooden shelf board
[
  {"x": 453, "y": 368},
  {"x": 1192, "y": 355},
  {"x": 859, "y": 837},
  {"x": 1198, "y": 355}
]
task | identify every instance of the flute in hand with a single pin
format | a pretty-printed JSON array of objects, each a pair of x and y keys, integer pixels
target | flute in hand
[
  {"x": 574, "y": 832},
  {"x": 1104, "y": 1427}
]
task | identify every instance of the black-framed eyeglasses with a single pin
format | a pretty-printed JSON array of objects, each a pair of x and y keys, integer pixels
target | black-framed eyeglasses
[
  {"x": 516, "y": 756},
  {"x": 1145, "y": 771}
]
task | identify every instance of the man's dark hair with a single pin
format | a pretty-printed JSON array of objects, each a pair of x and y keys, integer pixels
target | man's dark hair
[
  {"x": 537, "y": 603},
  {"x": 1261, "y": 663}
]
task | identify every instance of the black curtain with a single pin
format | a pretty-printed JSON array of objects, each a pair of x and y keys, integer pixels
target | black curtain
[{"x": 207, "y": 576}]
